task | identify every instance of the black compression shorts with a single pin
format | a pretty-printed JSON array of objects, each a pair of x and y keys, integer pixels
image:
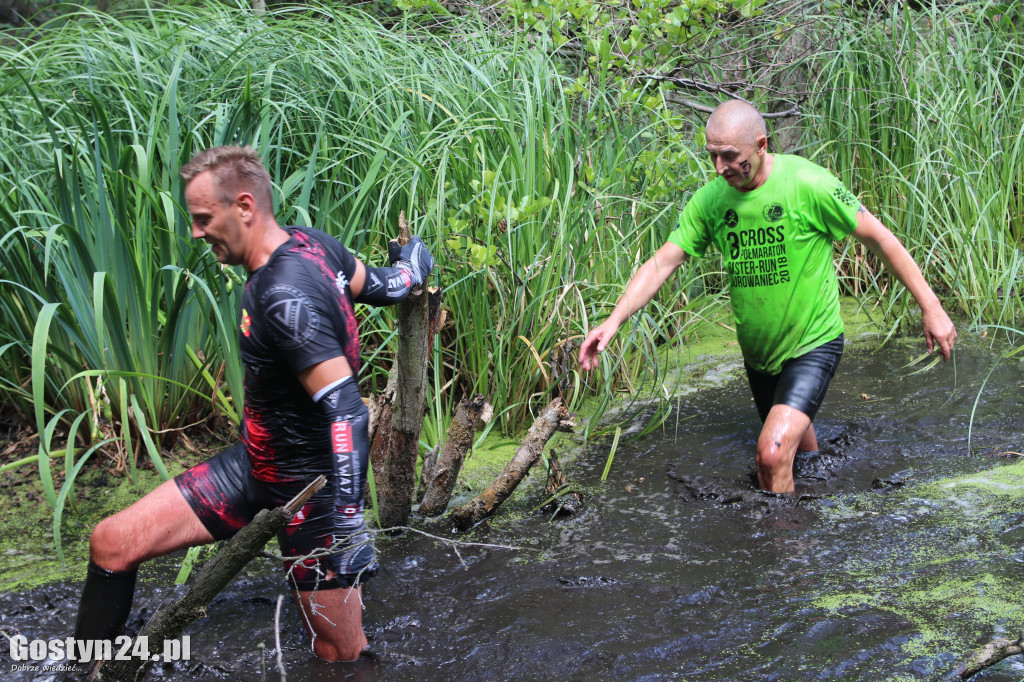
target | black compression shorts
[
  {"x": 225, "y": 497},
  {"x": 802, "y": 382}
]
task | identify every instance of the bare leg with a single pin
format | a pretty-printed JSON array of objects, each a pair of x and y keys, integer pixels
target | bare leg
[
  {"x": 159, "y": 523},
  {"x": 809, "y": 441},
  {"x": 334, "y": 621},
  {"x": 783, "y": 430}
]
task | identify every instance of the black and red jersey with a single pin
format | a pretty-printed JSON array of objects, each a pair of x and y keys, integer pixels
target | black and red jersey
[{"x": 296, "y": 312}]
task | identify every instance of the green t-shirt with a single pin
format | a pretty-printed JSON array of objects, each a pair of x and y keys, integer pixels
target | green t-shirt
[{"x": 776, "y": 241}]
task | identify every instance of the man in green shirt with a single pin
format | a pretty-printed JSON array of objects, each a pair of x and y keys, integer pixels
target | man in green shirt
[{"x": 774, "y": 218}]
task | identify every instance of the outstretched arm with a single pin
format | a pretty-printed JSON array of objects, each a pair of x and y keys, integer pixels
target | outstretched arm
[
  {"x": 640, "y": 290},
  {"x": 938, "y": 328},
  {"x": 410, "y": 266}
]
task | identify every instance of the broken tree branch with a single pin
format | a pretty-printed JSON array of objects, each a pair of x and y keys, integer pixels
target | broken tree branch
[
  {"x": 792, "y": 111},
  {"x": 216, "y": 573},
  {"x": 553, "y": 418},
  {"x": 564, "y": 497},
  {"x": 986, "y": 656},
  {"x": 427, "y": 471},
  {"x": 445, "y": 471}
]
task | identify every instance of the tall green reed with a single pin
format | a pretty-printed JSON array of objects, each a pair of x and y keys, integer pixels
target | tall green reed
[
  {"x": 536, "y": 222},
  {"x": 539, "y": 200},
  {"x": 920, "y": 114}
]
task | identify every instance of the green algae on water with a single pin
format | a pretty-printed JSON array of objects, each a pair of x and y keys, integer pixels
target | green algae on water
[
  {"x": 943, "y": 558},
  {"x": 28, "y": 558}
]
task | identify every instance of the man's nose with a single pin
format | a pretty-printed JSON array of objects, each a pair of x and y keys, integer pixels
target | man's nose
[
  {"x": 720, "y": 165},
  {"x": 196, "y": 232}
]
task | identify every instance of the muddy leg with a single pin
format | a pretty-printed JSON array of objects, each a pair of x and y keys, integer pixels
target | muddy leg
[
  {"x": 159, "y": 523},
  {"x": 809, "y": 441},
  {"x": 783, "y": 430},
  {"x": 334, "y": 621}
]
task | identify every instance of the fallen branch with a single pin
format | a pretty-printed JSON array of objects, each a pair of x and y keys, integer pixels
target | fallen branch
[
  {"x": 216, "y": 573},
  {"x": 553, "y": 418},
  {"x": 277, "y": 636},
  {"x": 986, "y": 656},
  {"x": 712, "y": 88},
  {"x": 427, "y": 471},
  {"x": 445, "y": 471},
  {"x": 454, "y": 545}
]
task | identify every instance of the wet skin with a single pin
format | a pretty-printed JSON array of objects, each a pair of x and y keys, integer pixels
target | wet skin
[
  {"x": 218, "y": 224},
  {"x": 742, "y": 162},
  {"x": 782, "y": 432}
]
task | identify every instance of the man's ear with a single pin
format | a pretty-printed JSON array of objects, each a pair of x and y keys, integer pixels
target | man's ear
[
  {"x": 246, "y": 204},
  {"x": 762, "y": 144}
]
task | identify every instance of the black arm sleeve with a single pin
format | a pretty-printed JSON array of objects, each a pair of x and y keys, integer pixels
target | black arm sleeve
[
  {"x": 411, "y": 264},
  {"x": 348, "y": 419}
]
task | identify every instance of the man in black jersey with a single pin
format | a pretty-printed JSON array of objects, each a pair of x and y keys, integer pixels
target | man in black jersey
[{"x": 303, "y": 414}]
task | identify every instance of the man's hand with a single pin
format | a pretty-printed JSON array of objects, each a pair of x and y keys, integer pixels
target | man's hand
[
  {"x": 939, "y": 329},
  {"x": 639, "y": 292},
  {"x": 414, "y": 258},
  {"x": 597, "y": 340}
]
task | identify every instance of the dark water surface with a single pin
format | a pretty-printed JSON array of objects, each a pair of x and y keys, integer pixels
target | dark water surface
[{"x": 677, "y": 569}]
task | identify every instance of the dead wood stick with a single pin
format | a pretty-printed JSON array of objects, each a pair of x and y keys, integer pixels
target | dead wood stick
[
  {"x": 986, "y": 656},
  {"x": 399, "y": 413},
  {"x": 427, "y": 471},
  {"x": 553, "y": 418},
  {"x": 231, "y": 558},
  {"x": 563, "y": 497},
  {"x": 445, "y": 471}
]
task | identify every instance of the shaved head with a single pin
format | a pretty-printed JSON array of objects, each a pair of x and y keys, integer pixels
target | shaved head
[
  {"x": 737, "y": 144},
  {"x": 736, "y": 121}
]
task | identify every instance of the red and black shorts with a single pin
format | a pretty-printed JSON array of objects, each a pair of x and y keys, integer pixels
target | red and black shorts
[
  {"x": 225, "y": 496},
  {"x": 801, "y": 384}
]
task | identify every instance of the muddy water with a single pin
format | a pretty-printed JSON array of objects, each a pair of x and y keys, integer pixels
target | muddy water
[{"x": 678, "y": 569}]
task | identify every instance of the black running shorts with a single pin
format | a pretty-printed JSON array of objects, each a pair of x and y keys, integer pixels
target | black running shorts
[
  {"x": 225, "y": 496},
  {"x": 802, "y": 382}
]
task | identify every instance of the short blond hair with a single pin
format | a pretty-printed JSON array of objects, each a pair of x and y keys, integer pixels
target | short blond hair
[{"x": 234, "y": 170}]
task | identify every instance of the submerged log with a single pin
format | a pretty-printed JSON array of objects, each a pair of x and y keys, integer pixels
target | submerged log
[
  {"x": 231, "y": 558},
  {"x": 399, "y": 409},
  {"x": 986, "y": 656},
  {"x": 553, "y": 418},
  {"x": 445, "y": 471}
]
